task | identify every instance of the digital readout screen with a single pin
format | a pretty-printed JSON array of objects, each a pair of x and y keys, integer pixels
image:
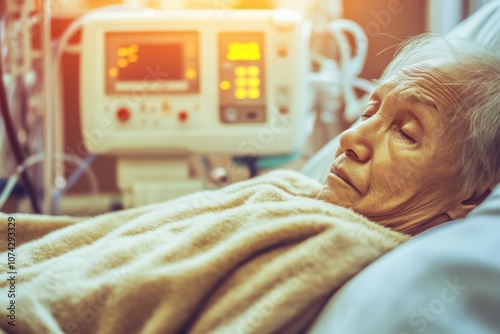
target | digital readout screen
[
  {"x": 154, "y": 62},
  {"x": 243, "y": 51},
  {"x": 136, "y": 62}
]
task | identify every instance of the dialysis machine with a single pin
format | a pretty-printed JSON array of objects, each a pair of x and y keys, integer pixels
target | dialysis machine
[{"x": 156, "y": 86}]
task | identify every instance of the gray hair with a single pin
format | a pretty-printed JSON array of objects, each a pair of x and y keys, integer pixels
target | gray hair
[{"x": 474, "y": 122}]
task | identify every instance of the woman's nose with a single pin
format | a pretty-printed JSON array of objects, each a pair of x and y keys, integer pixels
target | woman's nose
[{"x": 356, "y": 143}]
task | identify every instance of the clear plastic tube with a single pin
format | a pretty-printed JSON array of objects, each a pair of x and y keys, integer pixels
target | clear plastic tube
[{"x": 39, "y": 157}]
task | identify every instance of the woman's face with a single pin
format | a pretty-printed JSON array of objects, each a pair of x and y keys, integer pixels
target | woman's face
[{"x": 393, "y": 167}]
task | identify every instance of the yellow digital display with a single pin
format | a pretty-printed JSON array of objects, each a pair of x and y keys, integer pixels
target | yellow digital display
[
  {"x": 242, "y": 68},
  {"x": 243, "y": 51}
]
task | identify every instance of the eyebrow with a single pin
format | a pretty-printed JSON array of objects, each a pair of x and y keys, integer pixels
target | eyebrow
[
  {"x": 419, "y": 100},
  {"x": 379, "y": 88}
]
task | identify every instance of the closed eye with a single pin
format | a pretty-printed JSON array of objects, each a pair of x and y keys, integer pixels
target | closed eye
[
  {"x": 364, "y": 117},
  {"x": 407, "y": 137},
  {"x": 369, "y": 112}
]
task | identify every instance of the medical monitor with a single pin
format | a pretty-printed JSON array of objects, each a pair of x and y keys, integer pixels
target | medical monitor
[{"x": 195, "y": 81}]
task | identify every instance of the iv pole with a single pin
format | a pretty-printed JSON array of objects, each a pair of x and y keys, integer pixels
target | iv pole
[{"x": 48, "y": 167}]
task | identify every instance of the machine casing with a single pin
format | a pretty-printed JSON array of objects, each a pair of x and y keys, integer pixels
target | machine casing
[{"x": 203, "y": 118}]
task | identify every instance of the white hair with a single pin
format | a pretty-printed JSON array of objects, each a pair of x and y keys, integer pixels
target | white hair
[{"x": 473, "y": 123}]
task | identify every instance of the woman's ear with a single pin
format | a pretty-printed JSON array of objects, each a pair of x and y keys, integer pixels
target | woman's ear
[{"x": 463, "y": 208}]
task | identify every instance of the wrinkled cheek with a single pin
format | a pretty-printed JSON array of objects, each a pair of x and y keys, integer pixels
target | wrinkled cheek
[
  {"x": 386, "y": 195},
  {"x": 399, "y": 181}
]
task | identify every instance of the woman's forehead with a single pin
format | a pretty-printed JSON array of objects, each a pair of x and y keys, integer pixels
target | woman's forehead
[{"x": 428, "y": 82}]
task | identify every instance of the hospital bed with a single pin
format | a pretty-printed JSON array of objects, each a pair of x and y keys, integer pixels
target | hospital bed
[{"x": 444, "y": 281}]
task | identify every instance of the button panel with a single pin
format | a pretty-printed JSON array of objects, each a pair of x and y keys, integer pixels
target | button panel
[{"x": 161, "y": 114}]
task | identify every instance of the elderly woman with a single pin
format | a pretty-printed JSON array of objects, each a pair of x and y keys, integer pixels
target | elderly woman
[
  {"x": 427, "y": 149},
  {"x": 264, "y": 255}
]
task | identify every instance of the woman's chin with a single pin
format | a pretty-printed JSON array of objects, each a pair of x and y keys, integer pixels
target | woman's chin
[{"x": 335, "y": 197}]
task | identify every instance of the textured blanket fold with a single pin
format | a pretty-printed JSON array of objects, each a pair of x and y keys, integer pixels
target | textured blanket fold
[{"x": 259, "y": 256}]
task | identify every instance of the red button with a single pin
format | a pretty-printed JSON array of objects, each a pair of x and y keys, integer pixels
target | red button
[
  {"x": 183, "y": 116},
  {"x": 283, "y": 110},
  {"x": 123, "y": 114},
  {"x": 282, "y": 52}
]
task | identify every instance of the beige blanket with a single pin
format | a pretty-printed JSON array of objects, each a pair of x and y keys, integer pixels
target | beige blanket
[{"x": 259, "y": 256}]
